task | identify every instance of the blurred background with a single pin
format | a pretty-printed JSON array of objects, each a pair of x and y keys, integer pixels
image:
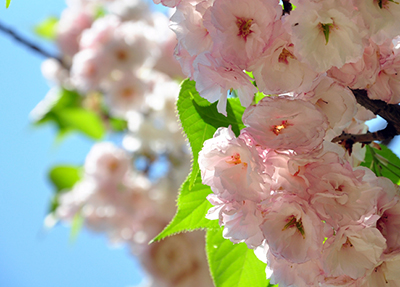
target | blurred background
[{"x": 30, "y": 255}]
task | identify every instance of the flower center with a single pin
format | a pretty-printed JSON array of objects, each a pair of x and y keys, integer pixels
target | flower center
[
  {"x": 347, "y": 243},
  {"x": 292, "y": 222},
  {"x": 127, "y": 93},
  {"x": 385, "y": 3},
  {"x": 278, "y": 128},
  {"x": 113, "y": 165},
  {"x": 235, "y": 159},
  {"x": 244, "y": 27},
  {"x": 284, "y": 55},
  {"x": 121, "y": 55},
  {"x": 325, "y": 28}
]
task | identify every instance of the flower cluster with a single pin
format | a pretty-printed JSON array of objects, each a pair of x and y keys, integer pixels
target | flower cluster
[
  {"x": 281, "y": 185},
  {"x": 122, "y": 65},
  {"x": 351, "y": 41},
  {"x": 115, "y": 199}
]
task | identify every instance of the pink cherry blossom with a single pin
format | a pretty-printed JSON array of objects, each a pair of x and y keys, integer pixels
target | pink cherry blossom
[
  {"x": 241, "y": 30},
  {"x": 326, "y": 33},
  {"x": 292, "y": 229},
  {"x": 281, "y": 123},
  {"x": 353, "y": 251},
  {"x": 279, "y": 71},
  {"x": 106, "y": 162},
  {"x": 361, "y": 74},
  {"x": 335, "y": 101},
  {"x": 233, "y": 169},
  {"x": 214, "y": 78},
  {"x": 241, "y": 220}
]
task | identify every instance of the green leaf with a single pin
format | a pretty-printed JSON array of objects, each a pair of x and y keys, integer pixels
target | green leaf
[
  {"x": 76, "y": 227},
  {"x": 8, "y": 3},
  {"x": 100, "y": 12},
  {"x": 50, "y": 107},
  {"x": 118, "y": 125},
  {"x": 64, "y": 176},
  {"x": 192, "y": 209},
  {"x": 47, "y": 29},
  {"x": 200, "y": 120},
  {"x": 383, "y": 163},
  {"x": 85, "y": 121},
  {"x": 233, "y": 265},
  {"x": 67, "y": 113}
]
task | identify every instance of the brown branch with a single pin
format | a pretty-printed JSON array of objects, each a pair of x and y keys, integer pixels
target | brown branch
[
  {"x": 30, "y": 45},
  {"x": 287, "y": 7},
  {"x": 387, "y": 133},
  {"x": 391, "y": 113}
]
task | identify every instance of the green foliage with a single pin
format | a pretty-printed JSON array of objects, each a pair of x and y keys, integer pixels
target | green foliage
[
  {"x": 200, "y": 120},
  {"x": 68, "y": 115},
  {"x": 100, "y": 12},
  {"x": 118, "y": 125},
  {"x": 63, "y": 178},
  {"x": 233, "y": 265},
  {"x": 76, "y": 226},
  {"x": 383, "y": 163},
  {"x": 192, "y": 209},
  {"x": 8, "y": 2},
  {"x": 85, "y": 121},
  {"x": 47, "y": 29}
]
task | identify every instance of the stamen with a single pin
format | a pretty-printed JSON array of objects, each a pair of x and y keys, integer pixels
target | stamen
[
  {"x": 294, "y": 223},
  {"x": 278, "y": 128},
  {"x": 235, "y": 159},
  {"x": 325, "y": 29},
  {"x": 244, "y": 27},
  {"x": 284, "y": 55}
]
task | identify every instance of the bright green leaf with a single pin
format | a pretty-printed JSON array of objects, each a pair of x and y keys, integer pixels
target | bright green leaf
[
  {"x": 8, "y": 3},
  {"x": 192, "y": 209},
  {"x": 64, "y": 176},
  {"x": 233, "y": 265},
  {"x": 383, "y": 163},
  {"x": 118, "y": 125},
  {"x": 250, "y": 74},
  {"x": 47, "y": 29},
  {"x": 50, "y": 107},
  {"x": 201, "y": 119},
  {"x": 100, "y": 12},
  {"x": 77, "y": 224},
  {"x": 85, "y": 121}
]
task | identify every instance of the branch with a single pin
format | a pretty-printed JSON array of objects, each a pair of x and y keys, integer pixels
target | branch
[
  {"x": 30, "y": 45},
  {"x": 287, "y": 7},
  {"x": 387, "y": 133},
  {"x": 391, "y": 113}
]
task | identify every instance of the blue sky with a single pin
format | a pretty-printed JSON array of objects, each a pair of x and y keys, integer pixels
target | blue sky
[{"x": 29, "y": 255}]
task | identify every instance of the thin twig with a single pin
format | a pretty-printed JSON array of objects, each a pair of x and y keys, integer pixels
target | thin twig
[
  {"x": 388, "y": 132},
  {"x": 390, "y": 112},
  {"x": 287, "y": 7},
  {"x": 29, "y": 44}
]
